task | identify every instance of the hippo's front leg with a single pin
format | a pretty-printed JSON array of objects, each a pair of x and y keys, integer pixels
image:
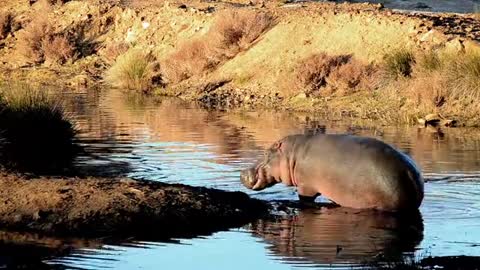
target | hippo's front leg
[{"x": 307, "y": 194}]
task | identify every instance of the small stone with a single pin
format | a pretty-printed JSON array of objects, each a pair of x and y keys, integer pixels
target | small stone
[
  {"x": 301, "y": 96},
  {"x": 432, "y": 117},
  {"x": 422, "y": 122},
  {"x": 448, "y": 123},
  {"x": 421, "y": 5}
]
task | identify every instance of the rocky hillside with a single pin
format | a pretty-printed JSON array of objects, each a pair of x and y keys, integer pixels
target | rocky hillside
[{"x": 358, "y": 60}]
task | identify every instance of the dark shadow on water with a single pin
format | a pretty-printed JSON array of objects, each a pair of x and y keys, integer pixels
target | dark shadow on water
[
  {"x": 341, "y": 236},
  {"x": 79, "y": 161}
]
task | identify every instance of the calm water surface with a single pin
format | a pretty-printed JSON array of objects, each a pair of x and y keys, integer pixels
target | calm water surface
[
  {"x": 175, "y": 142},
  {"x": 457, "y": 6}
]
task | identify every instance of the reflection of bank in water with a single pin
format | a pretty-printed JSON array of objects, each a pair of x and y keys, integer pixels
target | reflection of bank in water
[
  {"x": 30, "y": 250},
  {"x": 341, "y": 236}
]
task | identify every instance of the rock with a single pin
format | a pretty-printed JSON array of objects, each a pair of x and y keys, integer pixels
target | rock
[
  {"x": 301, "y": 96},
  {"x": 433, "y": 117},
  {"x": 454, "y": 46},
  {"x": 448, "y": 123},
  {"x": 434, "y": 37},
  {"x": 421, "y": 5},
  {"x": 422, "y": 122},
  {"x": 131, "y": 36},
  {"x": 435, "y": 120}
]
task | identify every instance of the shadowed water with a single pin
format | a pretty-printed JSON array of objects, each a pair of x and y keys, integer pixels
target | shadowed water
[{"x": 171, "y": 141}]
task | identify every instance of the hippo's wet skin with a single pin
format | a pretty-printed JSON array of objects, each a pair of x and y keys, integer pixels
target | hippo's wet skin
[{"x": 352, "y": 171}]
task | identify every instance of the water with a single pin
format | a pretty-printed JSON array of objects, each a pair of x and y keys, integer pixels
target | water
[
  {"x": 456, "y": 6},
  {"x": 175, "y": 142}
]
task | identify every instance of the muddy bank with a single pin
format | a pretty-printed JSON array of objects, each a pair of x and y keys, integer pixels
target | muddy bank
[{"x": 120, "y": 207}]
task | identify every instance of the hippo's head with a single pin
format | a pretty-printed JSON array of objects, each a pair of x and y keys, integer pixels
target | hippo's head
[{"x": 273, "y": 168}]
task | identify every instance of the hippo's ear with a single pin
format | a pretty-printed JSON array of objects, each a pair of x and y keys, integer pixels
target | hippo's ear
[{"x": 278, "y": 146}]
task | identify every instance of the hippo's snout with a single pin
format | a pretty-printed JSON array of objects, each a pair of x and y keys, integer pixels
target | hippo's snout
[{"x": 247, "y": 177}]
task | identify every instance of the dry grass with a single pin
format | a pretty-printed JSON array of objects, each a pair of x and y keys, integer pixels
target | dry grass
[
  {"x": 445, "y": 83},
  {"x": 235, "y": 31},
  {"x": 30, "y": 39},
  {"x": 113, "y": 50},
  {"x": 322, "y": 74},
  {"x": 439, "y": 82},
  {"x": 38, "y": 43},
  {"x": 6, "y": 19},
  {"x": 312, "y": 72},
  {"x": 352, "y": 77},
  {"x": 427, "y": 62},
  {"x": 463, "y": 73},
  {"x": 134, "y": 70},
  {"x": 442, "y": 78},
  {"x": 57, "y": 49},
  {"x": 232, "y": 32},
  {"x": 41, "y": 42},
  {"x": 425, "y": 92},
  {"x": 399, "y": 63},
  {"x": 191, "y": 58}
]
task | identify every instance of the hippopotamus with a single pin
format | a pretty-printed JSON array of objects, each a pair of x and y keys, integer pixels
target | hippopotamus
[{"x": 351, "y": 171}]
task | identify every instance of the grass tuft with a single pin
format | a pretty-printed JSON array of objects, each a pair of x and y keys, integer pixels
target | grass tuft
[
  {"x": 463, "y": 73},
  {"x": 428, "y": 62},
  {"x": 6, "y": 20},
  {"x": 30, "y": 39},
  {"x": 312, "y": 72},
  {"x": 234, "y": 31},
  {"x": 322, "y": 74},
  {"x": 399, "y": 63},
  {"x": 192, "y": 58},
  {"x": 36, "y": 135},
  {"x": 134, "y": 70},
  {"x": 57, "y": 49},
  {"x": 40, "y": 43}
]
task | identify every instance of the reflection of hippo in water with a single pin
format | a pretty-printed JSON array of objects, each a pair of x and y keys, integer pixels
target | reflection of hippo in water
[
  {"x": 341, "y": 235},
  {"x": 352, "y": 171}
]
